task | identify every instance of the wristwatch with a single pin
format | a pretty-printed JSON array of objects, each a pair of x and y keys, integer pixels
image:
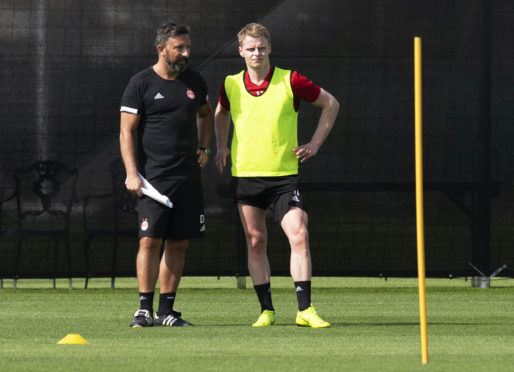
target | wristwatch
[{"x": 205, "y": 149}]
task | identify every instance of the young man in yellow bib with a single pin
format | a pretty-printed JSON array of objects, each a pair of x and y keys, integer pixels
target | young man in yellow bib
[{"x": 263, "y": 102}]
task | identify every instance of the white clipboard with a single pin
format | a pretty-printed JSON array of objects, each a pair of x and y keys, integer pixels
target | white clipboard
[{"x": 151, "y": 192}]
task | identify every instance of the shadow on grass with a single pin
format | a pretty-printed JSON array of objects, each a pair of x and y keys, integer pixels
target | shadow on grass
[
  {"x": 360, "y": 324},
  {"x": 409, "y": 324}
]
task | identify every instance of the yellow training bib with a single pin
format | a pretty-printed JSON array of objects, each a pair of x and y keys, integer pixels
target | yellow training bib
[{"x": 265, "y": 127}]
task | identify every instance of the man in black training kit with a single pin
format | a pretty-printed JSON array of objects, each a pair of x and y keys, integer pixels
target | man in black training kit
[{"x": 165, "y": 130}]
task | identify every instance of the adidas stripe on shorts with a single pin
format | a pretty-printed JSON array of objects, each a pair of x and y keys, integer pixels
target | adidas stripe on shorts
[{"x": 278, "y": 194}]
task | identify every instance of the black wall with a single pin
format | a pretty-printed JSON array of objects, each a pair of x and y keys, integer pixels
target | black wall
[{"x": 65, "y": 64}]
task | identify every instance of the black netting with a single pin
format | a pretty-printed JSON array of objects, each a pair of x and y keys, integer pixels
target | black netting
[{"x": 65, "y": 64}]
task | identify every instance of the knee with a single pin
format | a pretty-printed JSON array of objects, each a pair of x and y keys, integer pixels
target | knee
[
  {"x": 256, "y": 241},
  {"x": 148, "y": 249},
  {"x": 149, "y": 244},
  {"x": 299, "y": 238},
  {"x": 176, "y": 246}
]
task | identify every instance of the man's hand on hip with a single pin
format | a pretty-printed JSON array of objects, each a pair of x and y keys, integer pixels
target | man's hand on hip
[{"x": 306, "y": 151}]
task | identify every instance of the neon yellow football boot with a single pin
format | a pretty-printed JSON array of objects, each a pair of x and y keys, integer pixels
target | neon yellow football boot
[
  {"x": 266, "y": 319},
  {"x": 310, "y": 318}
]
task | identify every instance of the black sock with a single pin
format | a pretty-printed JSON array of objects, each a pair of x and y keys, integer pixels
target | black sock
[
  {"x": 166, "y": 301},
  {"x": 264, "y": 294},
  {"x": 146, "y": 301},
  {"x": 303, "y": 294}
]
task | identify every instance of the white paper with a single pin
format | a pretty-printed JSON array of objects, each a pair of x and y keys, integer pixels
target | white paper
[{"x": 151, "y": 192}]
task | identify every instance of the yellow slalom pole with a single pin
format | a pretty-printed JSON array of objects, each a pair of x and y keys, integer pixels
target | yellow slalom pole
[{"x": 419, "y": 200}]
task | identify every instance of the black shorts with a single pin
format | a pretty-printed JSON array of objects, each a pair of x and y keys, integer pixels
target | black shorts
[
  {"x": 186, "y": 220},
  {"x": 278, "y": 194}
]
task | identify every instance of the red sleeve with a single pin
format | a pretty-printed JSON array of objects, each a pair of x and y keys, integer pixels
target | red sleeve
[
  {"x": 223, "y": 100},
  {"x": 304, "y": 88}
]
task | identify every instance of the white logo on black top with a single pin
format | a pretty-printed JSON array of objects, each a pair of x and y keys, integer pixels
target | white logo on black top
[{"x": 158, "y": 96}]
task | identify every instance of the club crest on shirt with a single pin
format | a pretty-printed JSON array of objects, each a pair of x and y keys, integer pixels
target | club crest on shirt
[
  {"x": 144, "y": 224},
  {"x": 190, "y": 93}
]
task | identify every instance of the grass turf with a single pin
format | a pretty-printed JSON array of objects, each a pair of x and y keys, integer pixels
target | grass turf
[{"x": 375, "y": 327}]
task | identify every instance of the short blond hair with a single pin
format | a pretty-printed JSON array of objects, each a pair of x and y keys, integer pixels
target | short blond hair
[{"x": 254, "y": 30}]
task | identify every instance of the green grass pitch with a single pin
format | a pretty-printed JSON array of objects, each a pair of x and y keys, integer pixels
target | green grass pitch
[{"x": 375, "y": 327}]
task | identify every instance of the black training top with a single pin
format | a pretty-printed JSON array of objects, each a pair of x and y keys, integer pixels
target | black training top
[{"x": 167, "y": 133}]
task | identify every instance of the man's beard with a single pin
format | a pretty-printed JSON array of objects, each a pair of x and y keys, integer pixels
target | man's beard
[{"x": 177, "y": 67}]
